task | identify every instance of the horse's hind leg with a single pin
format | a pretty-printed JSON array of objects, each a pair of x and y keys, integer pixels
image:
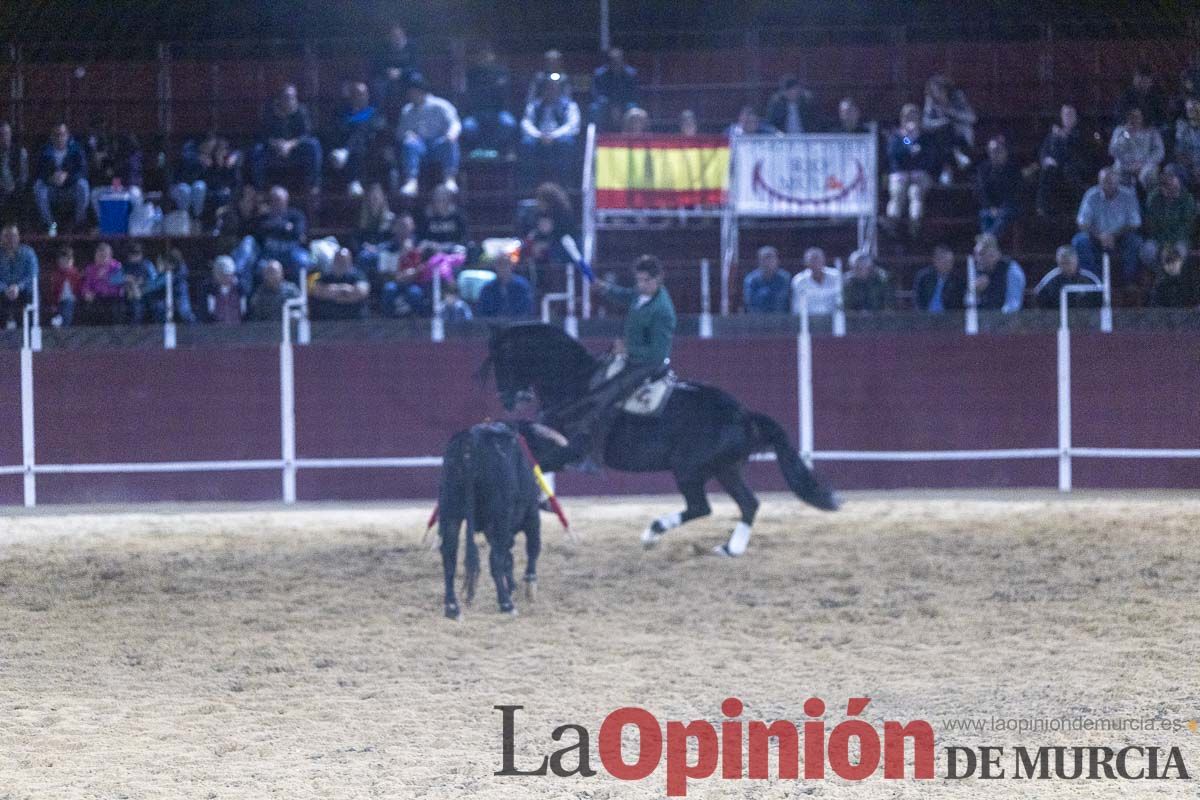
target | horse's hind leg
[
  {"x": 533, "y": 548},
  {"x": 697, "y": 506},
  {"x": 731, "y": 479}
]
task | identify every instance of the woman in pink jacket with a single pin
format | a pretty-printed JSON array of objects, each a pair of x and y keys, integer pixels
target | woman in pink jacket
[{"x": 103, "y": 288}]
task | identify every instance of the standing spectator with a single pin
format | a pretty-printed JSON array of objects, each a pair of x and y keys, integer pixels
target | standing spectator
[
  {"x": 1063, "y": 164},
  {"x": 950, "y": 120},
  {"x": 912, "y": 162},
  {"x": 375, "y": 219},
  {"x": 748, "y": 123},
  {"x": 429, "y": 131},
  {"x": 170, "y": 264},
  {"x": 140, "y": 275},
  {"x": 688, "y": 126},
  {"x": 61, "y": 177},
  {"x": 999, "y": 281},
  {"x": 266, "y": 304},
  {"x": 1170, "y": 217},
  {"x": 1108, "y": 221},
  {"x": 1172, "y": 289},
  {"x": 553, "y": 69},
  {"x": 103, "y": 285},
  {"x": 1137, "y": 150},
  {"x": 225, "y": 300},
  {"x": 489, "y": 125},
  {"x": 508, "y": 296},
  {"x": 392, "y": 66},
  {"x": 790, "y": 109},
  {"x": 1145, "y": 96},
  {"x": 549, "y": 130},
  {"x": 288, "y": 152},
  {"x": 850, "y": 117},
  {"x": 614, "y": 89},
  {"x": 14, "y": 172},
  {"x": 998, "y": 189},
  {"x": 868, "y": 287},
  {"x": 820, "y": 284},
  {"x": 279, "y": 233},
  {"x": 443, "y": 225},
  {"x": 768, "y": 288},
  {"x": 66, "y": 287},
  {"x": 356, "y": 132},
  {"x": 938, "y": 288},
  {"x": 341, "y": 292},
  {"x": 1067, "y": 273},
  {"x": 18, "y": 275},
  {"x": 1187, "y": 142}
]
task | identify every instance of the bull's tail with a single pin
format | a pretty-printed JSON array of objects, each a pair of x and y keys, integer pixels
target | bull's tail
[{"x": 766, "y": 433}]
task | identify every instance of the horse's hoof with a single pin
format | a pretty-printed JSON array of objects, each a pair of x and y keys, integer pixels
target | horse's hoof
[
  {"x": 650, "y": 537},
  {"x": 724, "y": 552},
  {"x": 453, "y": 612},
  {"x": 531, "y": 588},
  {"x": 508, "y": 608}
]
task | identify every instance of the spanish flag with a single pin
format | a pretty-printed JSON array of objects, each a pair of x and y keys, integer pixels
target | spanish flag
[{"x": 660, "y": 171}]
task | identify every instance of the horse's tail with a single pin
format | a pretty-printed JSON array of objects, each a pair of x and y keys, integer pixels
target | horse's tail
[{"x": 766, "y": 432}]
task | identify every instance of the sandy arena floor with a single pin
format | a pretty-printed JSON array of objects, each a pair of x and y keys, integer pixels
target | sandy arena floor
[{"x": 302, "y": 653}]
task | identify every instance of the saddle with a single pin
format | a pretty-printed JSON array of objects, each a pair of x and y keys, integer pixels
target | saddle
[{"x": 649, "y": 399}]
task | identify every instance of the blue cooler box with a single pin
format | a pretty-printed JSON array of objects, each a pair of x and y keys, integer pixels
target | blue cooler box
[{"x": 114, "y": 208}]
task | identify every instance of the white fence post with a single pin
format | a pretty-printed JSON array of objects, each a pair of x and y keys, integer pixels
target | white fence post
[
  {"x": 169, "y": 316},
  {"x": 1106, "y": 318},
  {"x": 287, "y": 401},
  {"x": 437, "y": 326},
  {"x": 706, "y": 320},
  {"x": 972, "y": 318},
  {"x": 804, "y": 376},
  {"x": 303, "y": 328},
  {"x": 839, "y": 311},
  {"x": 1064, "y": 404},
  {"x": 27, "y": 441}
]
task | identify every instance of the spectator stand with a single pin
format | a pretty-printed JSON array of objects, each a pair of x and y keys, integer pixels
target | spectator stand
[{"x": 821, "y": 178}]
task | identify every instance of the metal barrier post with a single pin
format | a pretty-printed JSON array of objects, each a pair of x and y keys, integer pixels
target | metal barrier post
[
  {"x": 437, "y": 327},
  {"x": 589, "y": 212},
  {"x": 1064, "y": 383},
  {"x": 972, "y": 318},
  {"x": 804, "y": 376},
  {"x": 169, "y": 317},
  {"x": 706, "y": 320},
  {"x": 1106, "y": 318},
  {"x": 287, "y": 400},
  {"x": 303, "y": 328},
  {"x": 27, "y": 441},
  {"x": 839, "y": 311}
]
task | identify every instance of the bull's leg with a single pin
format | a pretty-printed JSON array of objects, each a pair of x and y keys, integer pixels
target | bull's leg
[
  {"x": 533, "y": 548},
  {"x": 501, "y": 568},
  {"x": 697, "y": 506},
  {"x": 471, "y": 576},
  {"x": 731, "y": 479},
  {"x": 449, "y": 533}
]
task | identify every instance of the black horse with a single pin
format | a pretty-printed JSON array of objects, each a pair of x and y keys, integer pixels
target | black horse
[{"x": 701, "y": 433}]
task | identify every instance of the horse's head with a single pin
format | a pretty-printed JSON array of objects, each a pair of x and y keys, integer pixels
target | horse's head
[{"x": 537, "y": 359}]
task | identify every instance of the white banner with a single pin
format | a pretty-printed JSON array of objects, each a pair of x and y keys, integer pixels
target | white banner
[{"x": 805, "y": 175}]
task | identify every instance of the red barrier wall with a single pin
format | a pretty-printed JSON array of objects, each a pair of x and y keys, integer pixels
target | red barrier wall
[{"x": 918, "y": 391}]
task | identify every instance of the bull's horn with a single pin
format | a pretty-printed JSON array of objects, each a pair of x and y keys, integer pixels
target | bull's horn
[{"x": 546, "y": 432}]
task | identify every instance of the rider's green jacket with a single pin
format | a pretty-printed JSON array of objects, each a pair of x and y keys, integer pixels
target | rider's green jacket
[{"x": 649, "y": 324}]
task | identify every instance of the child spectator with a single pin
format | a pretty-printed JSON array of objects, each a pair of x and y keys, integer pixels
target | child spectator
[
  {"x": 912, "y": 161},
  {"x": 139, "y": 276},
  {"x": 224, "y": 299},
  {"x": 170, "y": 263},
  {"x": 66, "y": 287},
  {"x": 1171, "y": 287},
  {"x": 103, "y": 286}
]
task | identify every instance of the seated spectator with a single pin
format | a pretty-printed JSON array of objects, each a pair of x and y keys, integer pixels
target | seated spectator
[
  {"x": 225, "y": 299},
  {"x": 14, "y": 172},
  {"x": 850, "y": 117},
  {"x": 636, "y": 121},
  {"x": 997, "y": 189},
  {"x": 1067, "y": 273},
  {"x": 868, "y": 287},
  {"x": 139, "y": 275},
  {"x": 489, "y": 127},
  {"x": 429, "y": 131},
  {"x": 279, "y": 233},
  {"x": 508, "y": 296},
  {"x": 60, "y": 179},
  {"x": 454, "y": 308},
  {"x": 938, "y": 288},
  {"x": 999, "y": 281},
  {"x": 790, "y": 109},
  {"x": 341, "y": 292},
  {"x": 238, "y": 218},
  {"x": 66, "y": 287},
  {"x": 1145, "y": 96},
  {"x": 553, "y": 218},
  {"x": 381, "y": 263},
  {"x": 1108, "y": 221},
  {"x": 174, "y": 270},
  {"x": 820, "y": 284},
  {"x": 1187, "y": 142},
  {"x": 1170, "y": 217},
  {"x": 288, "y": 152},
  {"x": 103, "y": 287},
  {"x": 208, "y": 175},
  {"x": 553, "y": 69},
  {"x": 115, "y": 160},
  {"x": 18, "y": 274},
  {"x": 1063, "y": 164},
  {"x": 409, "y": 290},
  {"x": 392, "y": 65},
  {"x": 768, "y": 288},
  {"x": 912, "y": 162},
  {"x": 748, "y": 123},
  {"x": 1137, "y": 150},
  {"x": 1172, "y": 289},
  {"x": 688, "y": 126},
  {"x": 443, "y": 225},
  {"x": 266, "y": 304},
  {"x": 950, "y": 122},
  {"x": 549, "y": 130},
  {"x": 355, "y": 154},
  {"x": 375, "y": 219},
  {"x": 614, "y": 91}
]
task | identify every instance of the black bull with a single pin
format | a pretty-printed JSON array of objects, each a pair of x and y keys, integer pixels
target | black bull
[{"x": 488, "y": 483}]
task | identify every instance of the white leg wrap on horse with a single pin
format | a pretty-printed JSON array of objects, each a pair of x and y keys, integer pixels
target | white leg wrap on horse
[
  {"x": 656, "y": 529},
  {"x": 739, "y": 539}
]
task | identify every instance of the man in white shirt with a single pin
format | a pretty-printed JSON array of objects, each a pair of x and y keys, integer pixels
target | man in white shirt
[
  {"x": 820, "y": 284},
  {"x": 429, "y": 130},
  {"x": 550, "y": 126}
]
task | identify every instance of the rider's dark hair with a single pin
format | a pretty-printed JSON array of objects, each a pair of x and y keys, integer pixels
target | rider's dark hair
[{"x": 649, "y": 265}]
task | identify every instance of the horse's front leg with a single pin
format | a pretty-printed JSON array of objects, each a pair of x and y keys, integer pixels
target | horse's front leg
[
  {"x": 533, "y": 548},
  {"x": 697, "y": 506}
]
